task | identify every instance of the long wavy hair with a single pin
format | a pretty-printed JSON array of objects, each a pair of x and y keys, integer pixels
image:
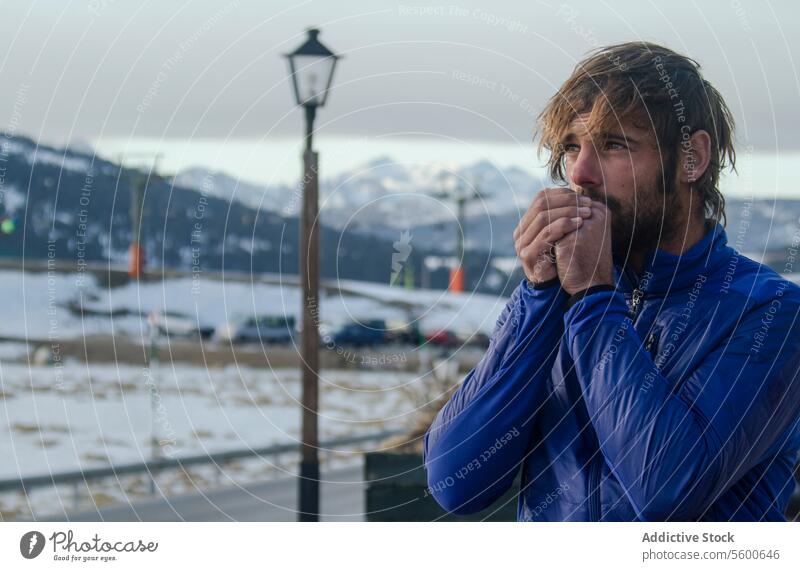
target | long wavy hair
[{"x": 656, "y": 88}]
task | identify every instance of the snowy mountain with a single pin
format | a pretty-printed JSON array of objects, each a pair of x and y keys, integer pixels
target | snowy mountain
[
  {"x": 221, "y": 185},
  {"x": 384, "y": 192},
  {"x": 74, "y": 208}
]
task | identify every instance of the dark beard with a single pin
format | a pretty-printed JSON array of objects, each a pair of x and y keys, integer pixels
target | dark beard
[{"x": 639, "y": 227}]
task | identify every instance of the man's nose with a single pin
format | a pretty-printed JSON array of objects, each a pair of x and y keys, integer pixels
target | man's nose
[{"x": 586, "y": 170}]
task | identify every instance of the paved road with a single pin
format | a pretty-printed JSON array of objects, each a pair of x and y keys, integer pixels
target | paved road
[{"x": 342, "y": 499}]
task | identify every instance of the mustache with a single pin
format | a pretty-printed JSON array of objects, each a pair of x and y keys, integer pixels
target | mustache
[{"x": 611, "y": 202}]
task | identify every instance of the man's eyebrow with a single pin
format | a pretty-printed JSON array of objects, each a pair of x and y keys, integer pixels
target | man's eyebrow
[
  {"x": 620, "y": 137},
  {"x": 570, "y": 137}
]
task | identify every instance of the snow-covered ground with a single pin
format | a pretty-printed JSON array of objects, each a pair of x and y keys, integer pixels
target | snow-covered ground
[
  {"x": 78, "y": 416},
  {"x": 72, "y": 415}
]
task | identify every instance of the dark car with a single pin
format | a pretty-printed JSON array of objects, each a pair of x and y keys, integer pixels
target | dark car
[
  {"x": 404, "y": 333},
  {"x": 478, "y": 339},
  {"x": 362, "y": 333}
]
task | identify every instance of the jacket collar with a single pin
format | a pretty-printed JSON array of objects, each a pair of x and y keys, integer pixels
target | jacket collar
[{"x": 664, "y": 272}]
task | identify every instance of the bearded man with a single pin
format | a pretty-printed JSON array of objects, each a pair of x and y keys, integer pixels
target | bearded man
[{"x": 643, "y": 369}]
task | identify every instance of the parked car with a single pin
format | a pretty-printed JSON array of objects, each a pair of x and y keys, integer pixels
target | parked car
[
  {"x": 443, "y": 338},
  {"x": 259, "y": 329},
  {"x": 362, "y": 333},
  {"x": 175, "y": 324},
  {"x": 478, "y": 339},
  {"x": 405, "y": 334}
]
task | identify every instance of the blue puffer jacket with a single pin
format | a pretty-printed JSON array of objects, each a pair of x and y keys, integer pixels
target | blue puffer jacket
[{"x": 674, "y": 396}]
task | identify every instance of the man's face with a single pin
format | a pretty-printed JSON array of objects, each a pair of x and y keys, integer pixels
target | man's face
[{"x": 623, "y": 169}]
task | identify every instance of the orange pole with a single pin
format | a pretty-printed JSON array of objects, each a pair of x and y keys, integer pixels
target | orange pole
[
  {"x": 136, "y": 263},
  {"x": 457, "y": 280}
]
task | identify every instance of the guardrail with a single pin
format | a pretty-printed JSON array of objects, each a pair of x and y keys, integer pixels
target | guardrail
[{"x": 157, "y": 465}]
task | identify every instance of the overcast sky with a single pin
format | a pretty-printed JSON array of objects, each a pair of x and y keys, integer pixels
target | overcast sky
[{"x": 460, "y": 74}]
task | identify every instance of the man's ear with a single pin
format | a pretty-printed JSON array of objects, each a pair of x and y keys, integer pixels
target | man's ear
[{"x": 695, "y": 156}]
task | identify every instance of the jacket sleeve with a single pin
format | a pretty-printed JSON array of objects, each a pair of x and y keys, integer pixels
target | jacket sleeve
[
  {"x": 475, "y": 445},
  {"x": 675, "y": 450}
]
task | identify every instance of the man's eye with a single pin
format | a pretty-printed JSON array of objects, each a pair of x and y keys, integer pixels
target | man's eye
[
  {"x": 614, "y": 146},
  {"x": 571, "y": 148}
]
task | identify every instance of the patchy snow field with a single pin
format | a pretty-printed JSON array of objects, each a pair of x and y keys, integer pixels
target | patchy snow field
[
  {"x": 78, "y": 416},
  {"x": 72, "y": 415}
]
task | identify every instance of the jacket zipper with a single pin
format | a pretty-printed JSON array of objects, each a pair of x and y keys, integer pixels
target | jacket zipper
[
  {"x": 648, "y": 345},
  {"x": 636, "y": 302},
  {"x": 637, "y": 294},
  {"x": 635, "y": 306},
  {"x": 594, "y": 487}
]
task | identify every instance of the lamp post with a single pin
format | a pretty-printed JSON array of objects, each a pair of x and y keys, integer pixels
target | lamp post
[{"x": 311, "y": 67}]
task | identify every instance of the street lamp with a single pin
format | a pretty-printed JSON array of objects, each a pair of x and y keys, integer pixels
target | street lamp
[{"x": 311, "y": 67}]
